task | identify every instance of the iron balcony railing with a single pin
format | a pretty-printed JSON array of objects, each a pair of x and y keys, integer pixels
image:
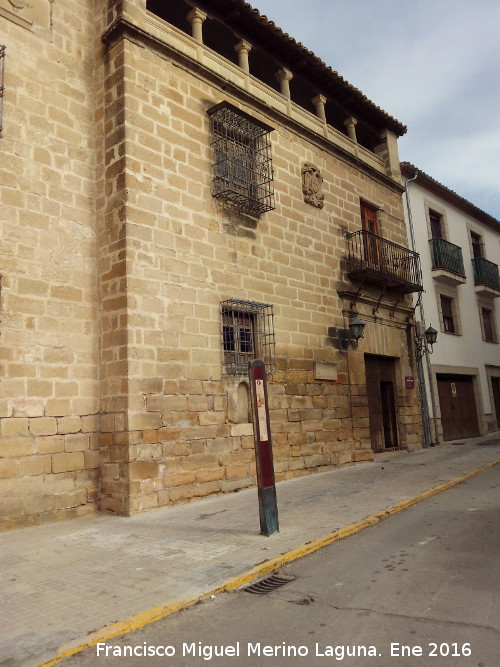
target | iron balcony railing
[
  {"x": 374, "y": 259},
  {"x": 446, "y": 255},
  {"x": 485, "y": 273}
]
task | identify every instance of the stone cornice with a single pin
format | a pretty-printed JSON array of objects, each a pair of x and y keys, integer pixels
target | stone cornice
[{"x": 124, "y": 29}]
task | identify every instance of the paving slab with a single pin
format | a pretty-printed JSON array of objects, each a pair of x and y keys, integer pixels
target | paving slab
[{"x": 65, "y": 580}]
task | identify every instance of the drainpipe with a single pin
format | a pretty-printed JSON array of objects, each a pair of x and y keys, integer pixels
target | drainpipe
[{"x": 426, "y": 422}]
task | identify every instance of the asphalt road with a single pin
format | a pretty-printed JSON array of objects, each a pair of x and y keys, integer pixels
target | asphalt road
[{"x": 419, "y": 588}]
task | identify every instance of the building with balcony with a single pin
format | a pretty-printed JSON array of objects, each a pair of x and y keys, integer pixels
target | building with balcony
[
  {"x": 185, "y": 188},
  {"x": 459, "y": 248}
]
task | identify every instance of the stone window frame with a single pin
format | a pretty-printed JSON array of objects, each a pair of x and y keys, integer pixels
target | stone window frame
[
  {"x": 436, "y": 208},
  {"x": 449, "y": 293},
  {"x": 473, "y": 229}
]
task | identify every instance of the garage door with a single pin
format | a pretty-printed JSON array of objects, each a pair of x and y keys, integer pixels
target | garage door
[{"x": 458, "y": 406}]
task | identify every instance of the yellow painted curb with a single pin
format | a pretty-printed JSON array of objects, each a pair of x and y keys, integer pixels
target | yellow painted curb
[{"x": 162, "y": 611}]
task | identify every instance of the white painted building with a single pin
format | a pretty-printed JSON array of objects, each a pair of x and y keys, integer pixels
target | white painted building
[{"x": 459, "y": 247}]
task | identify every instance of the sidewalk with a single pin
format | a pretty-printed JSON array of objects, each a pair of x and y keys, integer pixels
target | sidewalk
[{"x": 62, "y": 581}]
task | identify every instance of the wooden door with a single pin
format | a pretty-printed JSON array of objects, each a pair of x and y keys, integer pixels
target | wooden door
[
  {"x": 458, "y": 406},
  {"x": 369, "y": 224},
  {"x": 380, "y": 386},
  {"x": 495, "y": 385},
  {"x": 388, "y": 414}
]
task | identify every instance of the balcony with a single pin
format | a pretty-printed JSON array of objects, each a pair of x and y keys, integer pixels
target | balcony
[
  {"x": 486, "y": 277},
  {"x": 378, "y": 261},
  {"x": 447, "y": 261}
]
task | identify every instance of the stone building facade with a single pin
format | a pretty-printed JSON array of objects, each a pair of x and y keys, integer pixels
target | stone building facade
[{"x": 184, "y": 188}]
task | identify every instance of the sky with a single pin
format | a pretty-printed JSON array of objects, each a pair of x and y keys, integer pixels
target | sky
[{"x": 432, "y": 64}]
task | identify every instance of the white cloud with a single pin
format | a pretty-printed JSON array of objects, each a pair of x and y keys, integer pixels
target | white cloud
[{"x": 433, "y": 64}]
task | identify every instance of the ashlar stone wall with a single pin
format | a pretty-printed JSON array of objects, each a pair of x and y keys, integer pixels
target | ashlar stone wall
[
  {"x": 49, "y": 393},
  {"x": 185, "y": 253},
  {"x": 115, "y": 258}
]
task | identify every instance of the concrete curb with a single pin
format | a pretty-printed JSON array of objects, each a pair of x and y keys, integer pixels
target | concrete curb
[{"x": 162, "y": 611}]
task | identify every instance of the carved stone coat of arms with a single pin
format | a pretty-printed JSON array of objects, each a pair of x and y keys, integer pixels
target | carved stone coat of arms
[{"x": 312, "y": 185}]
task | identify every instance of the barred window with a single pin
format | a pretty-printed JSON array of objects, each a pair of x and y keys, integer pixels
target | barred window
[
  {"x": 242, "y": 170},
  {"x": 247, "y": 334}
]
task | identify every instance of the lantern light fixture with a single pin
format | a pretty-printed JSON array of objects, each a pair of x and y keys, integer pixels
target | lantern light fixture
[
  {"x": 356, "y": 329},
  {"x": 426, "y": 341}
]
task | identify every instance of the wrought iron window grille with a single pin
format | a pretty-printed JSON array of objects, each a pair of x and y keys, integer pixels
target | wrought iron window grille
[
  {"x": 2, "y": 86},
  {"x": 242, "y": 168},
  {"x": 247, "y": 334}
]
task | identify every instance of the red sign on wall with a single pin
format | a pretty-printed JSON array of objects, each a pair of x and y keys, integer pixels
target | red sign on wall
[{"x": 409, "y": 382}]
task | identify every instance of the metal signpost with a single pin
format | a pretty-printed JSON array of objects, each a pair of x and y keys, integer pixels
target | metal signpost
[{"x": 268, "y": 508}]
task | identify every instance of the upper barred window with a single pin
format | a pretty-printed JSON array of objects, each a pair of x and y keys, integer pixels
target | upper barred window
[
  {"x": 247, "y": 334},
  {"x": 242, "y": 168}
]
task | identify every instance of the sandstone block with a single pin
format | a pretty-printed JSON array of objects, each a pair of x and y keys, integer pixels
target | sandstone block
[
  {"x": 8, "y": 468},
  {"x": 209, "y": 474},
  {"x": 167, "y": 403},
  {"x": 362, "y": 455},
  {"x": 143, "y": 502},
  {"x": 236, "y": 471},
  {"x": 242, "y": 429},
  {"x": 78, "y": 442},
  {"x": 35, "y": 465},
  {"x": 198, "y": 461},
  {"x": 144, "y": 421},
  {"x": 43, "y": 426},
  {"x": 67, "y": 462},
  {"x": 209, "y": 418},
  {"x": 57, "y": 407},
  {"x": 179, "y": 479},
  {"x": 92, "y": 459},
  {"x": 229, "y": 485},
  {"x": 28, "y": 407},
  {"x": 316, "y": 460},
  {"x": 300, "y": 402},
  {"x": 197, "y": 403},
  {"x": 14, "y": 426},
  {"x": 143, "y": 470},
  {"x": 18, "y": 446},
  {"x": 69, "y": 425}
]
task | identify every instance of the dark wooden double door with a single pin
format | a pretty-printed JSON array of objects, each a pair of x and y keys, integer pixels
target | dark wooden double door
[
  {"x": 380, "y": 389},
  {"x": 495, "y": 385},
  {"x": 458, "y": 406}
]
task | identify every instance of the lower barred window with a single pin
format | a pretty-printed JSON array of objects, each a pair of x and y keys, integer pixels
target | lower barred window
[{"x": 247, "y": 334}]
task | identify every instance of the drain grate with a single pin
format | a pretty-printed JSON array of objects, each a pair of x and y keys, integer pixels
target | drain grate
[{"x": 269, "y": 584}]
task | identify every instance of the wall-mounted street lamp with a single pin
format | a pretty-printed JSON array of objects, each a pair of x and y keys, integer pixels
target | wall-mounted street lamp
[
  {"x": 356, "y": 329},
  {"x": 345, "y": 338},
  {"x": 424, "y": 342}
]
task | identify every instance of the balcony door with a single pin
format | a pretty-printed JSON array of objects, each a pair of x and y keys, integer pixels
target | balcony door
[
  {"x": 477, "y": 245},
  {"x": 369, "y": 224},
  {"x": 436, "y": 225}
]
